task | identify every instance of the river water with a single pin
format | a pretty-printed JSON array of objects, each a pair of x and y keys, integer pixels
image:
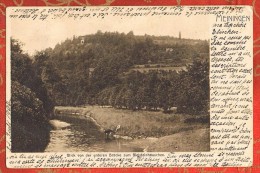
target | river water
[{"x": 80, "y": 135}]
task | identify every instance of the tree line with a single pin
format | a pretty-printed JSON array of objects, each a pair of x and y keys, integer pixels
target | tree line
[{"x": 188, "y": 91}]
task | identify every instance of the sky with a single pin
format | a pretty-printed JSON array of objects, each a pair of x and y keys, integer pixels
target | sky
[{"x": 38, "y": 35}]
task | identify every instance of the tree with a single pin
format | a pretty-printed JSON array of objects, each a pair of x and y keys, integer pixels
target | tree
[
  {"x": 139, "y": 97},
  {"x": 40, "y": 80},
  {"x": 129, "y": 97},
  {"x": 21, "y": 64},
  {"x": 163, "y": 94},
  {"x": 193, "y": 88},
  {"x": 150, "y": 88},
  {"x": 120, "y": 101}
]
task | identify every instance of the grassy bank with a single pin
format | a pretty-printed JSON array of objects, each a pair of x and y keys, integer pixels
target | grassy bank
[
  {"x": 187, "y": 141},
  {"x": 140, "y": 124}
]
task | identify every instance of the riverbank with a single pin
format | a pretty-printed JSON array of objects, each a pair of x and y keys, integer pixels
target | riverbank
[
  {"x": 164, "y": 129},
  {"x": 139, "y": 124}
]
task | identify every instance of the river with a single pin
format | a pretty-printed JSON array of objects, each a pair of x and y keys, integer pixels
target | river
[{"x": 81, "y": 135}]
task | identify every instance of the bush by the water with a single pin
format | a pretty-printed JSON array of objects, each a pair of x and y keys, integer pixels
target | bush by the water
[{"x": 29, "y": 124}]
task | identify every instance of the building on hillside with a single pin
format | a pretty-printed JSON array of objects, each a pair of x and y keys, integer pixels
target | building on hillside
[{"x": 82, "y": 41}]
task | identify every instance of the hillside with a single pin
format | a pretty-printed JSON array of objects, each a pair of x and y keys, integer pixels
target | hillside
[{"x": 126, "y": 71}]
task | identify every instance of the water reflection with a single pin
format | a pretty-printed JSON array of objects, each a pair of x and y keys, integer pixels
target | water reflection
[{"x": 69, "y": 135}]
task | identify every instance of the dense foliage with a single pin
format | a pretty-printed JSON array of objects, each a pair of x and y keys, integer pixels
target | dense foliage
[
  {"x": 187, "y": 90},
  {"x": 29, "y": 123},
  {"x": 101, "y": 69},
  {"x": 31, "y": 105}
]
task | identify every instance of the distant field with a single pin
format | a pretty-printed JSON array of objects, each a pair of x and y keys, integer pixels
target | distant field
[{"x": 140, "y": 124}]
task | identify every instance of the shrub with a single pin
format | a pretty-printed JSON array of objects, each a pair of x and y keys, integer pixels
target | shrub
[{"x": 29, "y": 125}]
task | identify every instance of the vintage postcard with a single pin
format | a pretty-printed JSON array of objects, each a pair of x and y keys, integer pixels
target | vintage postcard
[{"x": 147, "y": 86}]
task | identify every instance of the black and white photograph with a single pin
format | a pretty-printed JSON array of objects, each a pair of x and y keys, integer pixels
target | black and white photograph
[{"x": 110, "y": 84}]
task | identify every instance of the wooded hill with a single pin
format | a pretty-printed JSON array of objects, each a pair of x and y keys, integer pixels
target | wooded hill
[
  {"x": 97, "y": 69},
  {"x": 101, "y": 69}
]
